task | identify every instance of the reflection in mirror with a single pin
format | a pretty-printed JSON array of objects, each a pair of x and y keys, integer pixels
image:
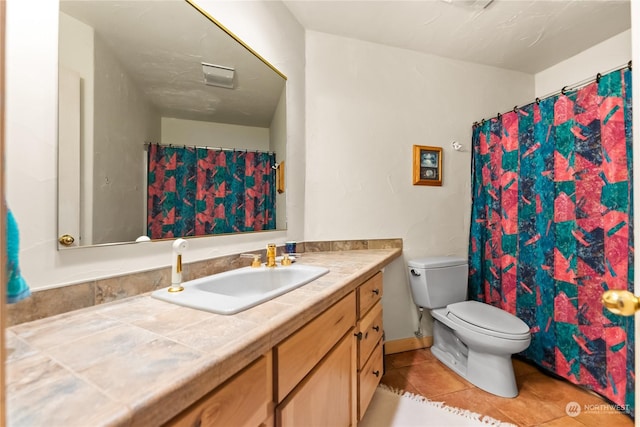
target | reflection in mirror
[{"x": 133, "y": 73}]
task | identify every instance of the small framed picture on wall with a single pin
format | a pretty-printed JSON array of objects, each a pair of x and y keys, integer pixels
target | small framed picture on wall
[{"x": 427, "y": 165}]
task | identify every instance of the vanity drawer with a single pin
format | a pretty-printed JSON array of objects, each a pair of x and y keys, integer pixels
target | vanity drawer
[
  {"x": 368, "y": 379},
  {"x": 369, "y": 293},
  {"x": 369, "y": 334},
  {"x": 244, "y": 400},
  {"x": 298, "y": 354}
]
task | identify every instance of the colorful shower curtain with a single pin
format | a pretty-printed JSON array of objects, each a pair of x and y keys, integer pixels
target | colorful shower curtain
[
  {"x": 199, "y": 191},
  {"x": 551, "y": 229}
]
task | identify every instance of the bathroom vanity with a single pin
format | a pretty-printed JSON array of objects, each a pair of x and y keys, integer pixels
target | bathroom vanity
[
  {"x": 313, "y": 353},
  {"x": 334, "y": 361}
]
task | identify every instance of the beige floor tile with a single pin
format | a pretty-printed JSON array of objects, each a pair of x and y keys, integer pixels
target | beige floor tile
[
  {"x": 479, "y": 401},
  {"x": 521, "y": 367},
  {"x": 542, "y": 398},
  {"x": 408, "y": 358},
  {"x": 565, "y": 421},
  {"x": 431, "y": 381}
]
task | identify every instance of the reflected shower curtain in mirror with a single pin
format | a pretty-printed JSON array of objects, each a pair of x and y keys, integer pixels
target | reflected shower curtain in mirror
[
  {"x": 200, "y": 191},
  {"x": 551, "y": 229}
]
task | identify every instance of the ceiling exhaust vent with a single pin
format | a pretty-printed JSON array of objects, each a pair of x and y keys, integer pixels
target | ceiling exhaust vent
[{"x": 218, "y": 75}]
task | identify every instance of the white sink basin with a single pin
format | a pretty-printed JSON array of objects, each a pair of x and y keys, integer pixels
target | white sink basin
[{"x": 236, "y": 290}]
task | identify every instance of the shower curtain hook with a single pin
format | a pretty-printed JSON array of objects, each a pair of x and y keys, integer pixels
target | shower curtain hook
[
  {"x": 538, "y": 101},
  {"x": 598, "y": 77},
  {"x": 515, "y": 109},
  {"x": 629, "y": 64},
  {"x": 563, "y": 91}
]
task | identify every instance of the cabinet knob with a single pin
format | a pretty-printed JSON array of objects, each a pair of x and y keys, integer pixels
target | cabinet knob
[
  {"x": 376, "y": 328},
  {"x": 358, "y": 335},
  {"x": 376, "y": 291},
  {"x": 376, "y": 373}
]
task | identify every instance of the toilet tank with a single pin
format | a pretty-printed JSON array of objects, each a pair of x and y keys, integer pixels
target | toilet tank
[{"x": 438, "y": 281}]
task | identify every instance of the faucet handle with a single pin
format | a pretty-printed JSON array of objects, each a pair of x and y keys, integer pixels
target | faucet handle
[
  {"x": 285, "y": 260},
  {"x": 257, "y": 259}
]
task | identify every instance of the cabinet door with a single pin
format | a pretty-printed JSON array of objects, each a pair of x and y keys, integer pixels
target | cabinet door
[
  {"x": 244, "y": 400},
  {"x": 324, "y": 398}
]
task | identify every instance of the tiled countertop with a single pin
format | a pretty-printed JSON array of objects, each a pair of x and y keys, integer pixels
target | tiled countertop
[{"x": 141, "y": 361}]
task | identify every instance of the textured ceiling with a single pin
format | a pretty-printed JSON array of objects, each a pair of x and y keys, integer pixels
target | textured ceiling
[
  {"x": 521, "y": 35},
  {"x": 162, "y": 45}
]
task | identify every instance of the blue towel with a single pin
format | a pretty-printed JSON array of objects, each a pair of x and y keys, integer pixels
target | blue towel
[{"x": 17, "y": 288}]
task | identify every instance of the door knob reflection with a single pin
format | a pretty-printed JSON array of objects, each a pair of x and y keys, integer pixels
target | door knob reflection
[
  {"x": 66, "y": 240},
  {"x": 621, "y": 302}
]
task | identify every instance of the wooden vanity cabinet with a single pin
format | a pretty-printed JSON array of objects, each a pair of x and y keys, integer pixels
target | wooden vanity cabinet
[
  {"x": 324, "y": 374},
  {"x": 315, "y": 370},
  {"x": 369, "y": 334},
  {"x": 244, "y": 400}
]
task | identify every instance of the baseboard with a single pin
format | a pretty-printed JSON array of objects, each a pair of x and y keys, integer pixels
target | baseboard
[{"x": 407, "y": 344}]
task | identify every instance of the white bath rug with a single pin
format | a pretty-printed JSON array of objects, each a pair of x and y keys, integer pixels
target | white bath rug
[{"x": 390, "y": 408}]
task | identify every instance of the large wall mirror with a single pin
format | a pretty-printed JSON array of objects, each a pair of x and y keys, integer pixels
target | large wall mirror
[{"x": 131, "y": 73}]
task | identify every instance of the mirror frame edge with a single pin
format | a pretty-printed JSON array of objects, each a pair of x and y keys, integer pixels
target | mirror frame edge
[
  {"x": 236, "y": 38},
  {"x": 192, "y": 3}
]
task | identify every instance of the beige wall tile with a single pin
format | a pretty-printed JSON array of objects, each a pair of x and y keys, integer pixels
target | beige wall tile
[
  {"x": 50, "y": 302},
  {"x": 64, "y": 299}
]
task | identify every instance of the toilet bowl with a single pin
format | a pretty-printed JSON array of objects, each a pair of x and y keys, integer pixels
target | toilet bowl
[{"x": 474, "y": 339}]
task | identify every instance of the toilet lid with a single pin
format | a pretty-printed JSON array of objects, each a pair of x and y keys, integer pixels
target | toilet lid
[
  {"x": 437, "y": 262},
  {"x": 490, "y": 319}
]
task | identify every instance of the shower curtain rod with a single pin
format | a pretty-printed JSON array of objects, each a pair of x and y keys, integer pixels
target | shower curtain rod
[
  {"x": 562, "y": 91},
  {"x": 147, "y": 144}
]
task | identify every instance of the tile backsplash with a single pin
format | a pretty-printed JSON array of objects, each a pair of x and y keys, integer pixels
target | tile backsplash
[{"x": 54, "y": 301}]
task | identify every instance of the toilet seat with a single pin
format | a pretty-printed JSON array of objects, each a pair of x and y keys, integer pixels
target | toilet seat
[{"x": 488, "y": 320}]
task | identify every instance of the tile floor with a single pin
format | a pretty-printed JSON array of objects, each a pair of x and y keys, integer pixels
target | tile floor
[{"x": 542, "y": 400}]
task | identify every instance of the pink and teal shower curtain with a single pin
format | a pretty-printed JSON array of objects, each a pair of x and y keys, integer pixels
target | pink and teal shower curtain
[
  {"x": 199, "y": 191},
  {"x": 551, "y": 229}
]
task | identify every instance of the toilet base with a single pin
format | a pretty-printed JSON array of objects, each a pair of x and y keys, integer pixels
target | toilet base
[{"x": 490, "y": 372}]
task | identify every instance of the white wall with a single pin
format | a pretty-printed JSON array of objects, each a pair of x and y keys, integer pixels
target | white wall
[
  {"x": 119, "y": 176},
  {"x": 608, "y": 55},
  {"x": 210, "y": 134},
  {"x": 367, "y": 105},
  {"x": 76, "y": 53},
  {"x": 278, "y": 144},
  {"x": 31, "y": 143}
]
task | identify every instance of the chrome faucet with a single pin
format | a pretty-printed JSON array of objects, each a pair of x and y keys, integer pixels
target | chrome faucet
[
  {"x": 179, "y": 246},
  {"x": 271, "y": 255}
]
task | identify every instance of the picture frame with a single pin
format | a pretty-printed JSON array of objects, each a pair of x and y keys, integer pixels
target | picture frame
[{"x": 427, "y": 165}]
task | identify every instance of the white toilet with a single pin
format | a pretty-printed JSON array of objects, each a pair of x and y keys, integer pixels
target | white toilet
[{"x": 474, "y": 339}]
